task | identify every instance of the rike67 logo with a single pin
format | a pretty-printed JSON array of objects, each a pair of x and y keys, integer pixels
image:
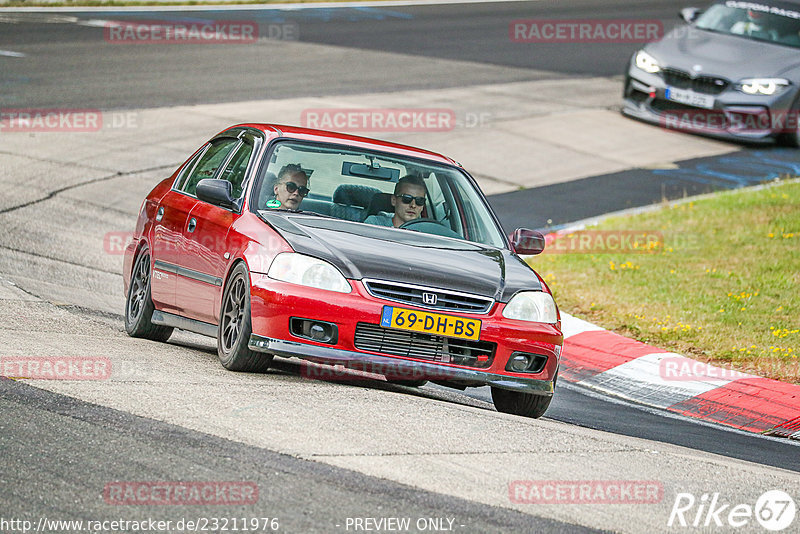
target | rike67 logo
[{"x": 775, "y": 510}]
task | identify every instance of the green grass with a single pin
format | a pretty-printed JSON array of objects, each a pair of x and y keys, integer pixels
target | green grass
[{"x": 723, "y": 286}]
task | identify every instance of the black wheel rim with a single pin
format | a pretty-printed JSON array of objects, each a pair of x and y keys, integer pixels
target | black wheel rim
[
  {"x": 138, "y": 290},
  {"x": 233, "y": 314}
]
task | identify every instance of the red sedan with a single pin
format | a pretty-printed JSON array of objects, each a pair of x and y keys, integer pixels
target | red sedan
[{"x": 343, "y": 250}]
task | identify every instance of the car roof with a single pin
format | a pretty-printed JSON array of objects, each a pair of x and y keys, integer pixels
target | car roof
[{"x": 323, "y": 136}]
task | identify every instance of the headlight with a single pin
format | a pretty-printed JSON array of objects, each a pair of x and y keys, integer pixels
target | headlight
[
  {"x": 762, "y": 86},
  {"x": 646, "y": 62},
  {"x": 536, "y": 306},
  {"x": 307, "y": 271}
]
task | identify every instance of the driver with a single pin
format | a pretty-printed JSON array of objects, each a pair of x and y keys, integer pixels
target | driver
[
  {"x": 408, "y": 201},
  {"x": 755, "y": 26},
  {"x": 292, "y": 186}
]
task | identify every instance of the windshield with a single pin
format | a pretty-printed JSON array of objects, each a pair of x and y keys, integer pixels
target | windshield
[
  {"x": 760, "y": 22},
  {"x": 375, "y": 189}
]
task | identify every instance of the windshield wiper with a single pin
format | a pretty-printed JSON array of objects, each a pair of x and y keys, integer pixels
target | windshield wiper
[
  {"x": 298, "y": 212},
  {"x": 713, "y": 30},
  {"x": 286, "y": 210},
  {"x": 316, "y": 214}
]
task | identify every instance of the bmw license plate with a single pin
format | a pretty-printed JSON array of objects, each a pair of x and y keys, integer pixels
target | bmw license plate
[
  {"x": 690, "y": 98},
  {"x": 430, "y": 323}
]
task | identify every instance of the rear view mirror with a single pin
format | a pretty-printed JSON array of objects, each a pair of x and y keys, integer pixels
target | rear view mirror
[
  {"x": 527, "y": 242},
  {"x": 350, "y": 168},
  {"x": 689, "y": 14}
]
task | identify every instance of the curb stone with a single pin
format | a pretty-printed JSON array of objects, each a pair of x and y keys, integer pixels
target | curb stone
[{"x": 613, "y": 364}]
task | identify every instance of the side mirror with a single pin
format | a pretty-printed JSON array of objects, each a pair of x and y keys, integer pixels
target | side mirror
[
  {"x": 217, "y": 192},
  {"x": 526, "y": 241},
  {"x": 689, "y": 14}
]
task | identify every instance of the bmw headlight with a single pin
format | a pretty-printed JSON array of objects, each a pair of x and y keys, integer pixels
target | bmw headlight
[
  {"x": 307, "y": 271},
  {"x": 535, "y": 306},
  {"x": 762, "y": 86},
  {"x": 646, "y": 62}
]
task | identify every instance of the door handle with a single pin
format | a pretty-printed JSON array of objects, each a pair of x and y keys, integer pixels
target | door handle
[{"x": 192, "y": 224}]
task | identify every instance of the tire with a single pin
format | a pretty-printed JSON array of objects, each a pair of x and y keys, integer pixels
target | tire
[
  {"x": 235, "y": 326},
  {"x": 520, "y": 403},
  {"x": 139, "y": 303}
]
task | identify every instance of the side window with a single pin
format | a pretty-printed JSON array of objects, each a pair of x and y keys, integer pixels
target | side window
[
  {"x": 446, "y": 208},
  {"x": 236, "y": 168},
  {"x": 209, "y": 163},
  {"x": 187, "y": 169}
]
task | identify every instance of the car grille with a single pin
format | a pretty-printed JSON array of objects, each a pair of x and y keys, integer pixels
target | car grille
[
  {"x": 415, "y": 295},
  {"x": 375, "y": 338},
  {"x": 659, "y": 105},
  {"x": 710, "y": 85}
]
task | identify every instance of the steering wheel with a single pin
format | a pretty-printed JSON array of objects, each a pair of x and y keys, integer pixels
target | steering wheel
[{"x": 429, "y": 226}]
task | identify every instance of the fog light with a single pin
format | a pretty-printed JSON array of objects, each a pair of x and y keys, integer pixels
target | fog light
[
  {"x": 317, "y": 332},
  {"x": 523, "y": 362},
  {"x": 320, "y": 331},
  {"x": 519, "y": 363}
]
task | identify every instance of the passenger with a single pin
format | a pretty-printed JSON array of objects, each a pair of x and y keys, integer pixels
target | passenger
[
  {"x": 291, "y": 187},
  {"x": 408, "y": 201}
]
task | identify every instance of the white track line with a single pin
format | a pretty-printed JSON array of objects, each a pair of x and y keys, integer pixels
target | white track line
[{"x": 9, "y": 53}]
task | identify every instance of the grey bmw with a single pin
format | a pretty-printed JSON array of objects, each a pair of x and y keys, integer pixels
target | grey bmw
[{"x": 733, "y": 72}]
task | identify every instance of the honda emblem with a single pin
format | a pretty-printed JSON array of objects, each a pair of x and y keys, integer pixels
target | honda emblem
[{"x": 429, "y": 298}]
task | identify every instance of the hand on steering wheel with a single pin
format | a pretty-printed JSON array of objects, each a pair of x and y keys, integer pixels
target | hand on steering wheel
[{"x": 412, "y": 222}]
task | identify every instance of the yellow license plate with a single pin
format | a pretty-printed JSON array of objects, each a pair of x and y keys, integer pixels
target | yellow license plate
[{"x": 430, "y": 323}]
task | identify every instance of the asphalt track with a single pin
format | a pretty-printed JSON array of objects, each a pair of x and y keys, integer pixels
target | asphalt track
[
  {"x": 67, "y": 69},
  {"x": 49, "y": 440}
]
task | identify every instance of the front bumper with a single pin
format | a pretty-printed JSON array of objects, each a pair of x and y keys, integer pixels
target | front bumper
[
  {"x": 398, "y": 367},
  {"x": 735, "y": 116},
  {"x": 276, "y": 304}
]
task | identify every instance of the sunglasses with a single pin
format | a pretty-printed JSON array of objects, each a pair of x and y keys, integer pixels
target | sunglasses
[
  {"x": 406, "y": 199},
  {"x": 291, "y": 187}
]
